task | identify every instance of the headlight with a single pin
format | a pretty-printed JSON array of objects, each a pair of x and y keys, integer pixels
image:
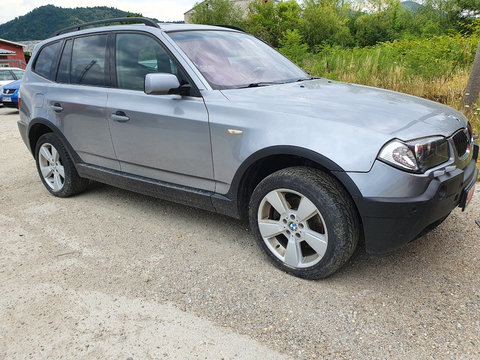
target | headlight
[{"x": 417, "y": 155}]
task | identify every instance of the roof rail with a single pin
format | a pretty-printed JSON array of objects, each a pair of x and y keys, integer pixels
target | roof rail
[
  {"x": 143, "y": 20},
  {"x": 231, "y": 27}
]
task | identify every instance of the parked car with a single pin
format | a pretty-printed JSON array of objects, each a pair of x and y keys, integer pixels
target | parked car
[
  {"x": 215, "y": 118},
  {"x": 7, "y": 75},
  {"x": 10, "y": 94}
]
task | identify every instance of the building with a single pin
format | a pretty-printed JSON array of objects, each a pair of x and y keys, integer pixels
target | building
[
  {"x": 242, "y": 4},
  {"x": 11, "y": 54}
]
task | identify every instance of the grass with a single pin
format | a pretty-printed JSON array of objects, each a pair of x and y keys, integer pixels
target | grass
[{"x": 437, "y": 69}]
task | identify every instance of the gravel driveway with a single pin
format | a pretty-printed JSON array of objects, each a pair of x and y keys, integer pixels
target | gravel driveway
[{"x": 113, "y": 274}]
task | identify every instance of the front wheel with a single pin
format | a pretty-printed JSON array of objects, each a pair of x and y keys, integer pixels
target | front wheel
[{"x": 305, "y": 221}]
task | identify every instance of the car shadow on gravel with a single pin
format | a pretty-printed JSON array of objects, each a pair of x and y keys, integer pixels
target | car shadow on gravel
[
  {"x": 417, "y": 259},
  {"x": 9, "y": 111}
]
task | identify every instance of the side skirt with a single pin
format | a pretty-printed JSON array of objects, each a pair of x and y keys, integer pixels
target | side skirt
[{"x": 159, "y": 189}]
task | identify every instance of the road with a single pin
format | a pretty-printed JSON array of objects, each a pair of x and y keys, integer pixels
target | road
[{"x": 117, "y": 275}]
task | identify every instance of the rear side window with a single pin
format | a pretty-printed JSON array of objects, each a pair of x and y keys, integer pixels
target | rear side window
[
  {"x": 88, "y": 60},
  {"x": 46, "y": 60},
  {"x": 63, "y": 75}
]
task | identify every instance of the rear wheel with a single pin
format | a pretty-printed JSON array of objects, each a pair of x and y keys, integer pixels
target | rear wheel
[
  {"x": 56, "y": 168},
  {"x": 305, "y": 221}
]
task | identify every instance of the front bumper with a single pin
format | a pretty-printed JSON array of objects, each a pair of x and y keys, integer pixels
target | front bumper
[{"x": 390, "y": 222}]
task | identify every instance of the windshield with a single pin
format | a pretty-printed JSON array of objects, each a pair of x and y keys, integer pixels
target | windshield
[
  {"x": 18, "y": 74},
  {"x": 233, "y": 60},
  {"x": 6, "y": 75}
]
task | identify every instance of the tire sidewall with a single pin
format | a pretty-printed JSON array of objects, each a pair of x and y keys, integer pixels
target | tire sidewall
[
  {"x": 52, "y": 139},
  {"x": 328, "y": 208}
]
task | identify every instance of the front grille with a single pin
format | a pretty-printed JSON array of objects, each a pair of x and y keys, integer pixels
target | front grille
[
  {"x": 8, "y": 91},
  {"x": 461, "y": 141}
]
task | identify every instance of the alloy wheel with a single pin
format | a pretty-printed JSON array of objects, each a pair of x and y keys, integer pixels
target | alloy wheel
[
  {"x": 293, "y": 228},
  {"x": 51, "y": 167}
]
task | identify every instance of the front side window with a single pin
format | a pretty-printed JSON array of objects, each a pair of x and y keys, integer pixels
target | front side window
[
  {"x": 232, "y": 60},
  {"x": 46, "y": 60},
  {"x": 136, "y": 56},
  {"x": 88, "y": 60}
]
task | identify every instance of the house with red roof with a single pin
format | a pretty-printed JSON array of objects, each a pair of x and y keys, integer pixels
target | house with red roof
[{"x": 11, "y": 54}]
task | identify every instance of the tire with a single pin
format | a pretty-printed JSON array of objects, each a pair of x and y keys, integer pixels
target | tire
[
  {"x": 56, "y": 168},
  {"x": 305, "y": 221}
]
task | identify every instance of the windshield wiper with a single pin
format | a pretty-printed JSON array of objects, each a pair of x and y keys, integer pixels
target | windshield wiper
[
  {"x": 259, "y": 84},
  {"x": 309, "y": 78},
  {"x": 267, "y": 83}
]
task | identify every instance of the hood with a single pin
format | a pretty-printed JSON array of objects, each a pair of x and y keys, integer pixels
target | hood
[
  {"x": 13, "y": 85},
  {"x": 392, "y": 114}
]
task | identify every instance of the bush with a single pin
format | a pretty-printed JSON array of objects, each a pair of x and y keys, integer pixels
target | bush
[{"x": 293, "y": 47}]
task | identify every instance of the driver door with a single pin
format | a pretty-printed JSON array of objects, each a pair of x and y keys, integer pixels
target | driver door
[{"x": 162, "y": 137}]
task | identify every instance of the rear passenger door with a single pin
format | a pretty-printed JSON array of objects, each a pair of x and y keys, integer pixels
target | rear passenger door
[
  {"x": 79, "y": 98},
  {"x": 163, "y": 137}
]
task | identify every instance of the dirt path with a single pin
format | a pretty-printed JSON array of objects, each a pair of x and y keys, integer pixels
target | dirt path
[{"x": 113, "y": 274}]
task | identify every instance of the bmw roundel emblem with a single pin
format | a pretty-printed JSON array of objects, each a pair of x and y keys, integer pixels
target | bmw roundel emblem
[
  {"x": 453, "y": 117},
  {"x": 293, "y": 227}
]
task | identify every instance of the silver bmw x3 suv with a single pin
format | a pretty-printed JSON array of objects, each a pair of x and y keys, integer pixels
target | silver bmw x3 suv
[{"x": 214, "y": 118}]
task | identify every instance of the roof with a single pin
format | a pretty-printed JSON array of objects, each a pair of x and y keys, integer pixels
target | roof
[
  {"x": 10, "y": 42},
  {"x": 167, "y": 27},
  {"x": 5, "y": 51},
  {"x": 189, "y": 27}
]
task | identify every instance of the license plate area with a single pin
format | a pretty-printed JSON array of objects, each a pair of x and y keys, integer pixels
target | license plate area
[
  {"x": 467, "y": 196},
  {"x": 6, "y": 99}
]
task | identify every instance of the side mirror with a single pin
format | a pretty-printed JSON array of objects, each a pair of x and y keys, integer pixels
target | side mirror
[{"x": 160, "y": 83}]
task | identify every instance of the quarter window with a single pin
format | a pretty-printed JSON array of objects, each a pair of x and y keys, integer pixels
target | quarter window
[
  {"x": 88, "y": 60},
  {"x": 138, "y": 55},
  {"x": 46, "y": 60}
]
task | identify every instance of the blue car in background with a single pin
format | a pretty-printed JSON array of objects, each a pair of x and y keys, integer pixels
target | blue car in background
[{"x": 10, "y": 94}]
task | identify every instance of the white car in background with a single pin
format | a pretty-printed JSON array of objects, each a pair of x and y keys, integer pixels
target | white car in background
[{"x": 7, "y": 75}]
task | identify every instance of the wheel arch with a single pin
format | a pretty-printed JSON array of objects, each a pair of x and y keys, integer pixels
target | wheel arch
[
  {"x": 266, "y": 161},
  {"x": 39, "y": 127}
]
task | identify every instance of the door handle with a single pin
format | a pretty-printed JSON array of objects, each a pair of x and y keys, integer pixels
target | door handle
[
  {"x": 120, "y": 116},
  {"x": 57, "y": 107}
]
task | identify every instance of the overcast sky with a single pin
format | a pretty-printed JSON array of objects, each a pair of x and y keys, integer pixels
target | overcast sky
[{"x": 163, "y": 10}]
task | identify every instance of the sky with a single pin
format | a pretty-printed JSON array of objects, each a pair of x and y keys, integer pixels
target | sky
[{"x": 163, "y": 10}]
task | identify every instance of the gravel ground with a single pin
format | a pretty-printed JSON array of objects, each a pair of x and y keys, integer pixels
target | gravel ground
[{"x": 113, "y": 274}]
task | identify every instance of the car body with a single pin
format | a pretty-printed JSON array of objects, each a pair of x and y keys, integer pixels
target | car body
[
  {"x": 214, "y": 118},
  {"x": 10, "y": 94},
  {"x": 8, "y": 75}
]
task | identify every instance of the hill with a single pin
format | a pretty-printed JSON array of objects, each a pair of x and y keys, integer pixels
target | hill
[
  {"x": 41, "y": 22},
  {"x": 412, "y": 5}
]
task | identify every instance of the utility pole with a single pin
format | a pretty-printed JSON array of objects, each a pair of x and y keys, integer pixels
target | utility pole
[{"x": 473, "y": 87}]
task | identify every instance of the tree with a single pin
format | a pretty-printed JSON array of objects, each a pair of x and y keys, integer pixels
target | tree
[
  {"x": 455, "y": 13},
  {"x": 325, "y": 22},
  {"x": 293, "y": 47},
  {"x": 262, "y": 21},
  {"x": 217, "y": 12},
  {"x": 270, "y": 21}
]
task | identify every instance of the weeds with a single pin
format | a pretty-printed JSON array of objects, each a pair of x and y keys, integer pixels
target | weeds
[{"x": 435, "y": 69}]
